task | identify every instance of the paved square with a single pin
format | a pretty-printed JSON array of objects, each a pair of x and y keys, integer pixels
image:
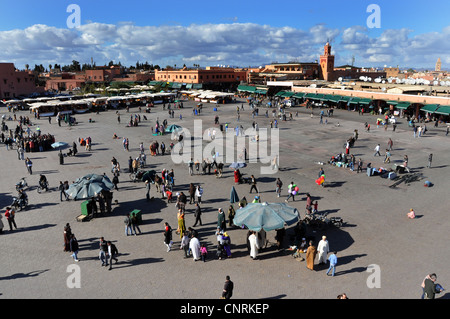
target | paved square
[{"x": 376, "y": 229}]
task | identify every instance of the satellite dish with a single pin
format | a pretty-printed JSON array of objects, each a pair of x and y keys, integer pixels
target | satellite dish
[
  {"x": 340, "y": 79},
  {"x": 383, "y": 82}
]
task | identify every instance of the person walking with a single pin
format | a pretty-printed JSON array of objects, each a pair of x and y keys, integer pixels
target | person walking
[
  {"x": 430, "y": 287},
  {"x": 191, "y": 167},
  {"x": 231, "y": 214},
  {"x": 221, "y": 220},
  {"x": 147, "y": 187},
  {"x": 227, "y": 291},
  {"x": 323, "y": 249},
  {"x": 67, "y": 237},
  {"x": 62, "y": 191},
  {"x": 135, "y": 224},
  {"x": 197, "y": 215},
  {"x": 311, "y": 253},
  {"x": 203, "y": 252},
  {"x": 333, "y": 261},
  {"x": 278, "y": 187},
  {"x": 167, "y": 236},
  {"x": 185, "y": 244},
  {"x": 253, "y": 245},
  {"x": 253, "y": 183},
  {"x": 191, "y": 193},
  {"x": 194, "y": 246},
  {"x": 113, "y": 252},
  {"x": 29, "y": 165},
  {"x": 377, "y": 150},
  {"x": 291, "y": 190},
  {"x": 103, "y": 251},
  {"x": 128, "y": 227},
  {"x": 115, "y": 181},
  {"x": 1, "y": 224},
  {"x": 61, "y": 157},
  {"x": 10, "y": 217},
  {"x": 74, "y": 247},
  {"x": 387, "y": 156},
  {"x": 390, "y": 144},
  {"x": 430, "y": 159},
  {"x": 199, "y": 194}
]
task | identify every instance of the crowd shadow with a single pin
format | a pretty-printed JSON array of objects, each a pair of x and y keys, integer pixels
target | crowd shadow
[{"x": 24, "y": 275}]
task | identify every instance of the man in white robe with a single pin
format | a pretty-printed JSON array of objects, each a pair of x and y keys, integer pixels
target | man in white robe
[
  {"x": 323, "y": 248},
  {"x": 254, "y": 245},
  {"x": 194, "y": 245}
]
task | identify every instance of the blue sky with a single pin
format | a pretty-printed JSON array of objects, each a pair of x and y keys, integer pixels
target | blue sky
[{"x": 246, "y": 32}]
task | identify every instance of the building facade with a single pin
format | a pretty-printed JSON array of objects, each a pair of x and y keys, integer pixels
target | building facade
[
  {"x": 14, "y": 83},
  {"x": 207, "y": 75}
]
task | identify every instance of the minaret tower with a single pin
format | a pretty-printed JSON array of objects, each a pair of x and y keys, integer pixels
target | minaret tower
[{"x": 327, "y": 63}]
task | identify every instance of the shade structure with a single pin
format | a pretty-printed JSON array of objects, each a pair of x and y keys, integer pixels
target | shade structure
[
  {"x": 173, "y": 128},
  {"x": 89, "y": 186},
  {"x": 238, "y": 165},
  {"x": 267, "y": 216},
  {"x": 148, "y": 175},
  {"x": 59, "y": 144},
  {"x": 234, "y": 198}
]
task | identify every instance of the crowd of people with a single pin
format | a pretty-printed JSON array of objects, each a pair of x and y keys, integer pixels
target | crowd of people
[{"x": 189, "y": 239}]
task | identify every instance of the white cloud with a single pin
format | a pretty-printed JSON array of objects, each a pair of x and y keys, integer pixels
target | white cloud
[{"x": 210, "y": 44}]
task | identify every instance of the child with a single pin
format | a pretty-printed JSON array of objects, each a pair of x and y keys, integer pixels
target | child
[
  {"x": 203, "y": 252},
  {"x": 315, "y": 207}
]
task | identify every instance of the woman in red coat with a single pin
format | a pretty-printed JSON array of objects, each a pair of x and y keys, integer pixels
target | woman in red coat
[{"x": 237, "y": 176}]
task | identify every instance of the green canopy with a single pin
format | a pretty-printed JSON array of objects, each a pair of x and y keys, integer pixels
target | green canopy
[
  {"x": 443, "y": 109},
  {"x": 430, "y": 108},
  {"x": 402, "y": 105},
  {"x": 267, "y": 216}
]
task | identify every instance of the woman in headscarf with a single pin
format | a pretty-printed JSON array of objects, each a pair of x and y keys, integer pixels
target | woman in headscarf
[
  {"x": 231, "y": 214},
  {"x": 311, "y": 253},
  {"x": 67, "y": 237},
  {"x": 237, "y": 176},
  {"x": 221, "y": 221},
  {"x": 181, "y": 225},
  {"x": 227, "y": 244},
  {"x": 167, "y": 236}
]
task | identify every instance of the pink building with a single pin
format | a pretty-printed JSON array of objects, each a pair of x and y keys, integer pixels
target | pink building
[{"x": 14, "y": 83}]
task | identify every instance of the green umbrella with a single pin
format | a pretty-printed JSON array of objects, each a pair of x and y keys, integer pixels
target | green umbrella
[
  {"x": 89, "y": 186},
  {"x": 173, "y": 128},
  {"x": 267, "y": 216}
]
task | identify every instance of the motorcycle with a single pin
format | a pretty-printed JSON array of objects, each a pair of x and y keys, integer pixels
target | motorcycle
[
  {"x": 19, "y": 203},
  {"x": 320, "y": 221},
  {"x": 42, "y": 187},
  {"x": 22, "y": 184}
]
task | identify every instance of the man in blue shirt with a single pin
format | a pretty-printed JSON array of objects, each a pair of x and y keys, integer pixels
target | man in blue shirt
[{"x": 333, "y": 261}]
